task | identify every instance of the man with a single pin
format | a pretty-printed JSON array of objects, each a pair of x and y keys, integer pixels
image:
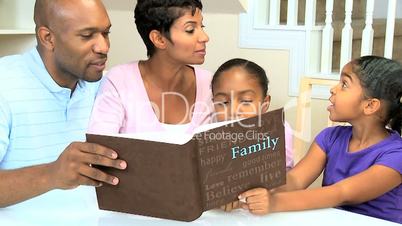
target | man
[{"x": 46, "y": 97}]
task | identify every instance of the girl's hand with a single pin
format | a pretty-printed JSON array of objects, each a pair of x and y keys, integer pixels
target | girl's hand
[
  {"x": 257, "y": 201},
  {"x": 231, "y": 206}
]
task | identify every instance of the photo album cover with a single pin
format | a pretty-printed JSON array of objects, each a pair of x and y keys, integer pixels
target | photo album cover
[{"x": 179, "y": 177}]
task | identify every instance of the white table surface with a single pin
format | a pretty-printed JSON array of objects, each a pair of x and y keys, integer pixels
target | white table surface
[{"x": 79, "y": 208}]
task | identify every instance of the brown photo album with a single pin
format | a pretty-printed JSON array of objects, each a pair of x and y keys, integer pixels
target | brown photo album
[{"x": 210, "y": 169}]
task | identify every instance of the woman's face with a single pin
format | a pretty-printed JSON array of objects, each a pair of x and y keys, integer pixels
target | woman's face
[{"x": 188, "y": 39}]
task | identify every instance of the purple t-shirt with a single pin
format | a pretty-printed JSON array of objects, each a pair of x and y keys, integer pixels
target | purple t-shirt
[{"x": 341, "y": 164}]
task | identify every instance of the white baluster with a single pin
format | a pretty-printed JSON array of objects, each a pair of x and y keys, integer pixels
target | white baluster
[
  {"x": 311, "y": 6},
  {"x": 368, "y": 32},
  {"x": 310, "y": 22},
  {"x": 347, "y": 35},
  {"x": 274, "y": 12},
  {"x": 327, "y": 39},
  {"x": 389, "y": 34},
  {"x": 292, "y": 12}
]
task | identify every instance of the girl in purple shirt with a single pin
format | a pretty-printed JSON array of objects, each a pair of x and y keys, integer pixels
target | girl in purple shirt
[{"x": 362, "y": 163}]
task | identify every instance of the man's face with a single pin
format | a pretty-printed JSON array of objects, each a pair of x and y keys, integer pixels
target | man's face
[{"x": 81, "y": 40}]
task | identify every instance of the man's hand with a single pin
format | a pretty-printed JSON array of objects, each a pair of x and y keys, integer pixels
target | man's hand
[
  {"x": 257, "y": 201},
  {"x": 74, "y": 166}
]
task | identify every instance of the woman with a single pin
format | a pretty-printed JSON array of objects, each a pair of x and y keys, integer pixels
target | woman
[{"x": 162, "y": 93}]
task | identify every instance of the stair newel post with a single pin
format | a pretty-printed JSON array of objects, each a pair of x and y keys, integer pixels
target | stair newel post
[
  {"x": 292, "y": 12},
  {"x": 389, "y": 34},
  {"x": 368, "y": 32},
  {"x": 327, "y": 39},
  {"x": 347, "y": 35},
  {"x": 274, "y": 12}
]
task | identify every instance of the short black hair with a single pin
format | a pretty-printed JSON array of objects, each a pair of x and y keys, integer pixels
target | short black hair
[
  {"x": 381, "y": 78},
  {"x": 159, "y": 15},
  {"x": 252, "y": 68}
]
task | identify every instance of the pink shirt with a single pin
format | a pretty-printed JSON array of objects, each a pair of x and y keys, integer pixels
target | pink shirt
[
  {"x": 289, "y": 146},
  {"x": 122, "y": 104}
]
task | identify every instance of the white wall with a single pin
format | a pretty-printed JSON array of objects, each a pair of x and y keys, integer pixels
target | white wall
[
  {"x": 16, "y": 15},
  {"x": 381, "y": 7},
  {"x": 13, "y": 44}
]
